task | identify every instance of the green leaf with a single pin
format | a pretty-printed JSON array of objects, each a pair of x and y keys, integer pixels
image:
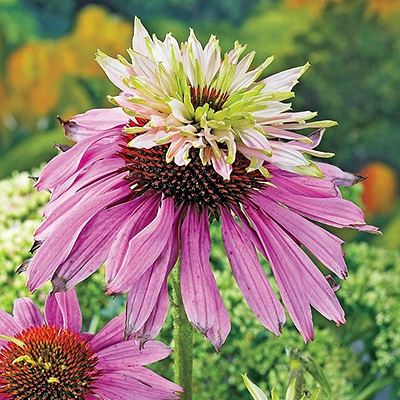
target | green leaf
[
  {"x": 317, "y": 373},
  {"x": 254, "y": 390},
  {"x": 291, "y": 390}
]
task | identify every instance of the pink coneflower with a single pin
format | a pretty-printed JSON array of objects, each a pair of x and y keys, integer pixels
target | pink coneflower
[
  {"x": 48, "y": 358},
  {"x": 195, "y": 137}
]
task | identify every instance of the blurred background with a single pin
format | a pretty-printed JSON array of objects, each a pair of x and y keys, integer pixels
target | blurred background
[{"x": 47, "y": 68}]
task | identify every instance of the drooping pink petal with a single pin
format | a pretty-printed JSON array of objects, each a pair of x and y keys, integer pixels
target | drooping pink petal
[
  {"x": 66, "y": 164},
  {"x": 144, "y": 293},
  {"x": 321, "y": 243},
  {"x": 156, "y": 381},
  {"x": 154, "y": 323},
  {"x": 26, "y": 313},
  {"x": 144, "y": 248},
  {"x": 299, "y": 281},
  {"x": 250, "y": 276},
  {"x": 152, "y": 327},
  {"x": 60, "y": 211},
  {"x": 49, "y": 256},
  {"x": 92, "y": 246},
  {"x": 63, "y": 311},
  {"x": 144, "y": 214},
  {"x": 221, "y": 327},
  {"x": 331, "y": 211},
  {"x": 299, "y": 185},
  {"x": 85, "y": 180},
  {"x": 197, "y": 280}
]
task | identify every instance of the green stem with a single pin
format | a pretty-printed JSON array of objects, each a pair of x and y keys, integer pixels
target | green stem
[
  {"x": 183, "y": 338},
  {"x": 296, "y": 371}
]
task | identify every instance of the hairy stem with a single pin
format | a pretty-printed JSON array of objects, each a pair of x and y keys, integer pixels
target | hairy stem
[{"x": 183, "y": 339}]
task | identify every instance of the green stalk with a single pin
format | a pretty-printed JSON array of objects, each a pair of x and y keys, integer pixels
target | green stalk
[
  {"x": 183, "y": 338},
  {"x": 296, "y": 371}
]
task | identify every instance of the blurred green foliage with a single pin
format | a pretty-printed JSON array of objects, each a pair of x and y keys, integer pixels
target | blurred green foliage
[
  {"x": 358, "y": 358},
  {"x": 354, "y": 79}
]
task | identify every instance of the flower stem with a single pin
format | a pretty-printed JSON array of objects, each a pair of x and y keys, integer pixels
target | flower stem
[
  {"x": 183, "y": 338},
  {"x": 296, "y": 372}
]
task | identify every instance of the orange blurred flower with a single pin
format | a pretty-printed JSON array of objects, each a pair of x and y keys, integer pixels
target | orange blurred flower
[{"x": 380, "y": 189}]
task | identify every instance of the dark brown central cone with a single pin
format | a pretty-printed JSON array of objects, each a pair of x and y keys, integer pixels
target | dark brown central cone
[
  {"x": 215, "y": 99},
  {"x": 52, "y": 364},
  {"x": 194, "y": 183}
]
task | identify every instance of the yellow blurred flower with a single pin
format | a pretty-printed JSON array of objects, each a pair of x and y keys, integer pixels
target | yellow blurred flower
[
  {"x": 33, "y": 78},
  {"x": 95, "y": 28},
  {"x": 38, "y": 74}
]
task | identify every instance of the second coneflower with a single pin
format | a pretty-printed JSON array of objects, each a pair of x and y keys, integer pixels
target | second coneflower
[{"x": 195, "y": 137}]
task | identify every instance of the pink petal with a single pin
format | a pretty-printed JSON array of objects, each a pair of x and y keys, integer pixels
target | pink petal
[
  {"x": 144, "y": 293},
  {"x": 331, "y": 211},
  {"x": 197, "y": 280},
  {"x": 155, "y": 322},
  {"x": 338, "y": 176},
  {"x": 221, "y": 327},
  {"x": 72, "y": 201},
  {"x": 63, "y": 311},
  {"x": 315, "y": 138},
  {"x": 92, "y": 246},
  {"x": 91, "y": 177},
  {"x": 110, "y": 334},
  {"x": 64, "y": 165},
  {"x": 321, "y": 243},
  {"x": 91, "y": 122},
  {"x": 26, "y": 313},
  {"x": 250, "y": 276},
  {"x": 49, "y": 256},
  {"x": 221, "y": 167},
  {"x": 152, "y": 327},
  {"x": 144, "y": 248},
  {"x": 156, "y": 381},
  {"x": 145, "y": 212},
  {"x": 299, "y": 281},
  {"x": 282, "y": 133},
  {"x": 8, "y": 325},
  {"x": 119, "y": 385},
  {"x": 125, "y": 353},
  {"x": 300, "y": 185}
]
